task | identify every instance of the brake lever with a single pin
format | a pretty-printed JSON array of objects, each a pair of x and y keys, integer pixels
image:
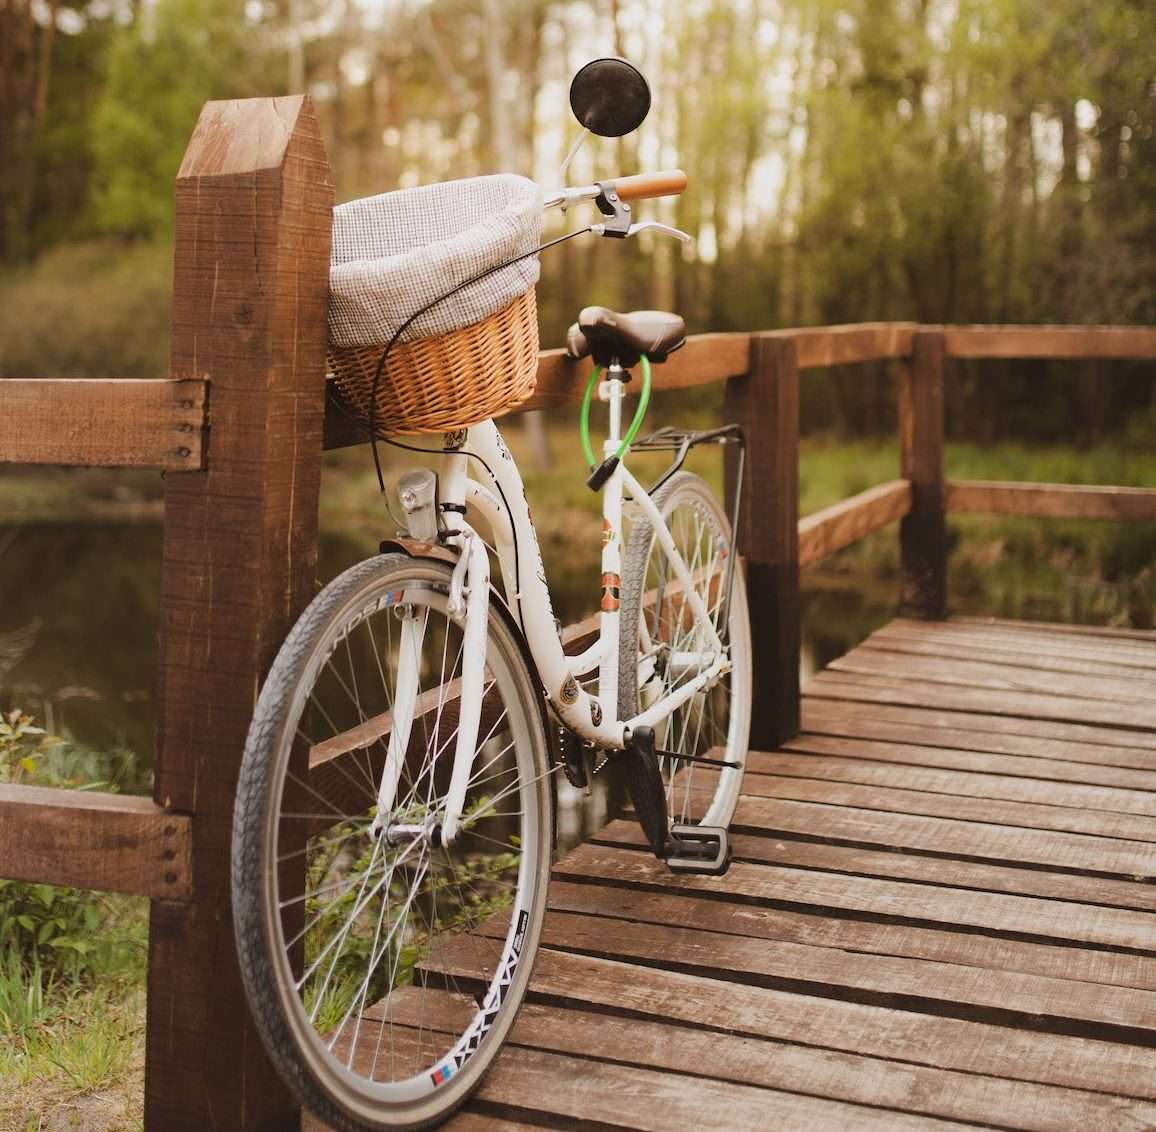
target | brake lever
[{"x": 644, "y": 225}]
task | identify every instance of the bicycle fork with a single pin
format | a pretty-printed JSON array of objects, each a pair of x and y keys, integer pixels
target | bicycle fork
[{"x": 469, "y": 603}]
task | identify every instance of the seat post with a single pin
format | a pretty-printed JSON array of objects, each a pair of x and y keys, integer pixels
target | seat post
[
  {"x": 615, "y": 381},
  {"x": 612, "y": 391}
]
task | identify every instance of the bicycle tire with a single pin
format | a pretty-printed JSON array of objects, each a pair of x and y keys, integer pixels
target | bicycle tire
[
  {"x": 693, "y": 793},
  {"x": 447, "y": 958}
]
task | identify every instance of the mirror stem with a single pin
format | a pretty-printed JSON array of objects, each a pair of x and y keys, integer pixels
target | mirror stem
[{"x": 570, "y": 156}]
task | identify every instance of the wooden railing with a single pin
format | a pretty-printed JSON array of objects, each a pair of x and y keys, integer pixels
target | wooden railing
[{"x": 239, "y": 429}]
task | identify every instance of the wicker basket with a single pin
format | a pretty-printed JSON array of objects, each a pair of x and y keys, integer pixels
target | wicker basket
[{"x": 449, "y": 381}]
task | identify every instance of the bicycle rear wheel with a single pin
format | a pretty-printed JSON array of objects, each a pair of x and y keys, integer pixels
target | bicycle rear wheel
[
  {"x": 659, "y": 641},
  {"x": 384, "y": 971}
]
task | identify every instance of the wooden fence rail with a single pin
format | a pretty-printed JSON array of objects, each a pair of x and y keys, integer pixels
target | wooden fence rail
[{"x": 241, "y": 425}]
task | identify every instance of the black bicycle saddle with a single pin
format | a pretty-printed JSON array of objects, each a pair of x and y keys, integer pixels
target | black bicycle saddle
[{"x": 608, "y": 336}]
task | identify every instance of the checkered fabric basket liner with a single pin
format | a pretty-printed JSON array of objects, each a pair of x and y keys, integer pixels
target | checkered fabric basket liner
[{"x": 469, "y": 357}]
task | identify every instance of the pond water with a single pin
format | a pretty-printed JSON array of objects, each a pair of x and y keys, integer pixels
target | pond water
[{"x": 79, "y": 606}]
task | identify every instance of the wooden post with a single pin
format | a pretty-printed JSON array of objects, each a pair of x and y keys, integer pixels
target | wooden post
[
  {"x": 923, "y": 532},
  {"x": 253, "y": 215},
  {"x": 766, "y": 404}
]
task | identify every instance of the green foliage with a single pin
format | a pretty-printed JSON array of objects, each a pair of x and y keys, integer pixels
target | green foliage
[
  {"x": 981, "y": 160},
  {"x": 21, "y": 746},
  {"x": 99, "y": 309},
  {"x": 50, "y": 927},
  {"x": 179, "y": 54}
]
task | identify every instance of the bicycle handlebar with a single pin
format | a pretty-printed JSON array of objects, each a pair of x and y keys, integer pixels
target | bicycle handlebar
[{"x": 668, "y": 182}]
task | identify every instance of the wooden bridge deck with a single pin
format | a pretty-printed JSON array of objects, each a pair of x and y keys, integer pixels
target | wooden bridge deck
[{"x": 940, "y": 913}]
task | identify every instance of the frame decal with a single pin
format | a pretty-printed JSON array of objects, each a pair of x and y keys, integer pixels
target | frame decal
[
  {"x": 484, "y": 1019},
  {"x": 611, "y": 592}
]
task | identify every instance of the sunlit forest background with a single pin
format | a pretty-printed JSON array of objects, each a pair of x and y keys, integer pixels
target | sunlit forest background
[
  {"x": 849, "y": 160},
  {"x": 934, "y": 160}
]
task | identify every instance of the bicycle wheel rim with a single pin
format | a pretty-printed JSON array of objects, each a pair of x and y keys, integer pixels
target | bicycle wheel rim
[{"x": 438, "y": 1068}]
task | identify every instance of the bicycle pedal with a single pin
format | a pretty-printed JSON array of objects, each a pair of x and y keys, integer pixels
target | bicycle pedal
[{"x": 704, "y": 850}]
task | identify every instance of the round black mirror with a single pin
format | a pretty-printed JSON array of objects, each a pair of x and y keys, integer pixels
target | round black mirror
[{"x": 610, "y": 97}]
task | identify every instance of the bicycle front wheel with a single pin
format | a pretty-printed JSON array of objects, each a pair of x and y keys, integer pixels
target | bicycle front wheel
[
  {"x": 384, "y": 967},
  {"x": 663, "y": 645}
]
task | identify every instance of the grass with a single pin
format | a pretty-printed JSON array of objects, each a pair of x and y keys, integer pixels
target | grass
[
  {"x": 1045, "y": 569},
  {"x": 72, "y": 1046},
  {"x": 83, "y": 1068}
]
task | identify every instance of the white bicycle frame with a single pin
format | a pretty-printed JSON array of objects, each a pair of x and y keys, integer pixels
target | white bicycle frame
[{"x": 528, "y": 597}]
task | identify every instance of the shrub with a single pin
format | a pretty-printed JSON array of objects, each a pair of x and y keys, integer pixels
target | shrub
[
  {"x": 97, "y": 309},
  {"x": 44, "y": 928}
]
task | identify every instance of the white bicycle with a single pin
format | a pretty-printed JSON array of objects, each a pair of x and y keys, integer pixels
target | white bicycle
[{"x": 393, "y": 830}]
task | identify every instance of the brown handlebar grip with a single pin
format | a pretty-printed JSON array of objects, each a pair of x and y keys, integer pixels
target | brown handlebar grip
[{"x": 669, "y": 182}]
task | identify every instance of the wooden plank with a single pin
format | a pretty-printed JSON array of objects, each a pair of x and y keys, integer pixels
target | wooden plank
[
  {"x": 829, "y": 530},
  {"x": 84, "y": 839},
  {"x": 460, "y": 1122},
  {"x": 477, "y": 1122},
  {"x": 1053, "y": 500},
  {"x": 1120, "y": 828},
  {"x": 1050, "y": 341},
  {"x": 814, "y": 1072},
  {"x": 856, "y": 342},
  {"x": 664, "y": 901},
  {"x": 588, "y": 1093},
  {"x": 1133, "y": 658},
  {"x": 1110, "y": 1069},
  {"x": 104, "y": 423},
  {"x": 766, "y": 404},
  {"x": 827, "y": 759},
  {"x": 1035, "y": 705},
  {"x": 254, "y": 203},
  {"x": 1011, "y": 655},
  {"x": 1124, "y": 837},
  {"x": 977, "y": 730},
  {"x": 917, "y": 863},
  {"x": 810, "y": 889},
  {"x": 1116, "y": 634},
  {"x": 844, "y": 739},
  {"x": 923, "y": 531},
  {"x": 972, "y": 839},
  {"x": 1025, "y": 1000},
  {"x": 983, "y": 674}
]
